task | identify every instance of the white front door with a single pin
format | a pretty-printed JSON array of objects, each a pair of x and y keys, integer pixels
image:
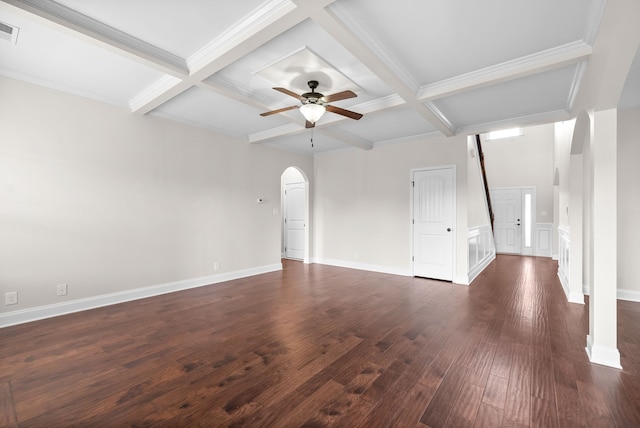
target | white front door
[
  {"x": 433, "y": 221},
  {"x": 507, "y": 224},
  {"x": 294, "y": 220}
]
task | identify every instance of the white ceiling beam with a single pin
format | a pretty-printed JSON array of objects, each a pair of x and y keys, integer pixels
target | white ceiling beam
[
  {"x": 269, "y": 21},
  {"x": 547, "y": 60},
  {"x": 376, "y": 61},
  {"x": 80, "y": 26},
  {"x": 273, "y": 19}
]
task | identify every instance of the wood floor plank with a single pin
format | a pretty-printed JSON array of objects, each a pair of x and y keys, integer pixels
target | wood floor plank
[
  {"x": 543, "y": 413},
  {"x": 542, "y": 383},
  {"x": 316, "y": 345},
  {"x": 518, "y": 403},
  {"x": 495, "y": 392},
  {"x": 317, "y": 409},
  {"x": 7, "y": 410},
  {"x": 465, "y": 409},
  {"x": 488, "y": 416},
  {"x": 439, "y": 408}
]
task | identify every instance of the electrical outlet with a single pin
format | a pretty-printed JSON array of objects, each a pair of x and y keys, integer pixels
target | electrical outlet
[
  {"x": 11, "y": 298},
  {"x": 216, "y": 266},
  {"x": 61, "y": 290}
]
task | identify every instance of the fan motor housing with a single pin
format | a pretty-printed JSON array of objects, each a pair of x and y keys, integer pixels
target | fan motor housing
[{"x": 312, "y": 97}]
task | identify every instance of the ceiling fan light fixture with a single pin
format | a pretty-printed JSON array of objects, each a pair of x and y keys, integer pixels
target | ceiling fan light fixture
[{"x": 312, "y": 112}]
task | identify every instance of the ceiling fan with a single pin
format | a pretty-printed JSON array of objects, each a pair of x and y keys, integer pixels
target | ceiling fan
[{"x": 314, "y": 104}]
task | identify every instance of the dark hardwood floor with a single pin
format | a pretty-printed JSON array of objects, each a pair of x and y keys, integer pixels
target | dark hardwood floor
[{"x": 321, "y": 346}]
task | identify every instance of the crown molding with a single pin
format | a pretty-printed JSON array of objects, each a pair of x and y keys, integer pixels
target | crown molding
[
  {"x": 549, "y": 59},
  {"x": 593, "y": 21},
  {"x": 575, "y": 84},
  {"x": 60, "y": 87}
]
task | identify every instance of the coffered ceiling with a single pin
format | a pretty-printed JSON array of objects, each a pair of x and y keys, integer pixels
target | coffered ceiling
[{"x": 418, "y": 68}]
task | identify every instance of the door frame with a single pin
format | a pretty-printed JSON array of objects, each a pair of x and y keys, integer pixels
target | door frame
[
  {"x": 454, "y": 210},
  {"x": 525, "y": 190}
]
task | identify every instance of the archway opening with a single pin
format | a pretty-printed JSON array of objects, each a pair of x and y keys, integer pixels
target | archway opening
[{"x": 294, "y": 207}]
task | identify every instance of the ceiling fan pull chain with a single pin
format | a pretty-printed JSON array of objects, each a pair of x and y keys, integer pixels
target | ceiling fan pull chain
[{"x": 311, "y": 137}]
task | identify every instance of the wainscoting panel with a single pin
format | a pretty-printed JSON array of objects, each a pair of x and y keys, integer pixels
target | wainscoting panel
[
  {"x": 482, "y": 249},
  {"x": 544, "y": 239}
]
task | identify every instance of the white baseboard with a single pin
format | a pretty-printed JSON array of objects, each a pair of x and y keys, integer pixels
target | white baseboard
[
  {"x": 621, "y": 294},
  {"x": 630, "y": 295},
  {"x": 576, "y": 297},
  {"x": 363, "y": 266},
  {"x": 49, "y": 311},
  {"x": 564, "y": 283},
  {"x": 477, "y": 270},
  {"x": 602, "y": 355},
  {"x": 572, "y": 296}
]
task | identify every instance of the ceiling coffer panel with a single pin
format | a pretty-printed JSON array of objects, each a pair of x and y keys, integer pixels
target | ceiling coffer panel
[{"x": 529, "y": 96}]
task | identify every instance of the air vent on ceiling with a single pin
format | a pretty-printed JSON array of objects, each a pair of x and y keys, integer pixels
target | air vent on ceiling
[{"x": 8, "y": 33}]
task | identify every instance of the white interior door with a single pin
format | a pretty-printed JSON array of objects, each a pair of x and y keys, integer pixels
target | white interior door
[
  {"x": 507, "y": 225},
  {"x": 294, "y": 220},
  {"x": 433, "y": 221}
]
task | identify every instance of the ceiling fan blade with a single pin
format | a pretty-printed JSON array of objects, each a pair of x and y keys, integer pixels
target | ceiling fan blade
[
  {"x": 280, "y": 110},
  {"x": 288, "y": 92},
  {"x": 343, "y": 112},
  {"x": 309, "y": 124},
  {"x": 340, "y": 96}
]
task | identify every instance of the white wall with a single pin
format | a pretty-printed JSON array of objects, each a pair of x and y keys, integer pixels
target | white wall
[
  {"x": 524, "y": 162},
  {"x": 362, "y": 210},
  {"x": 628, "y": 200},
  {"x": 107, "y": 201},
  {"x": 563, "y": 133}
]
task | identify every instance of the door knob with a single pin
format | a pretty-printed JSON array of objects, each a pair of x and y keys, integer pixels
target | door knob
[{"x": 448, "y": 229}]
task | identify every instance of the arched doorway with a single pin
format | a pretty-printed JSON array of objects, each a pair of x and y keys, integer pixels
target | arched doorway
[{"x": 295, "y": 214}]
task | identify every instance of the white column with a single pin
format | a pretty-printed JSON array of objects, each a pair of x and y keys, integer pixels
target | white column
[
  {"x": 602, "y": 339},
  {"x": 575, "y": 223}
]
